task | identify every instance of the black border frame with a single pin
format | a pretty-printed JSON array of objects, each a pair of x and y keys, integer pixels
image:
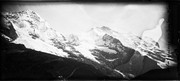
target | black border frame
[{"x": 173, "y": 18}]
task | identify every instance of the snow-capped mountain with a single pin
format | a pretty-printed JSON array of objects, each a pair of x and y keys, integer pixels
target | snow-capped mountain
[
  {"x": 146, "y": 46},
  {"x": 113, "y": 53},
  {"x": 34, "y": 32}
]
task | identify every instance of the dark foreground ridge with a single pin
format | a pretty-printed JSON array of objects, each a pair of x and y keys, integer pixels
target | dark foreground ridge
[
  {"x": 160, "y": 74},
  {"x": 30, "y": 64},
  {"x": 22, "y": 64}
]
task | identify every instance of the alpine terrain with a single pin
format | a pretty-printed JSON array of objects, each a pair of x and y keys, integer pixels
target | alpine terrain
[{"x": 100, "y": 51}]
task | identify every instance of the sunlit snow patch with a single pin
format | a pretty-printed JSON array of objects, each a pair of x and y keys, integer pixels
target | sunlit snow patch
[{"x": 84, "y": 49}]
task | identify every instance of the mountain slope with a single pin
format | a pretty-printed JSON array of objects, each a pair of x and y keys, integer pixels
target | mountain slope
[{"x": 20, "y": 63}]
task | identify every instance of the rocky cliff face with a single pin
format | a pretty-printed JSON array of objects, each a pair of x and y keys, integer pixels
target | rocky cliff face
[{"x": 114, "y": 54}]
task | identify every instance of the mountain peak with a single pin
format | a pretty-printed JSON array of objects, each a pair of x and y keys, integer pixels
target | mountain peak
[
  {"x": 29, "y": 12},
  {"x": 105, "y": 28}
]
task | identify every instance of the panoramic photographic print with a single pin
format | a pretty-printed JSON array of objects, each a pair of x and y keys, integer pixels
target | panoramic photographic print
[{"x": 86, "y": 41}]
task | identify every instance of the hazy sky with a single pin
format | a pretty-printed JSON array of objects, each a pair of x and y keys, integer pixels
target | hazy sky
[
  {"x": 75, "y": 18},
  {"x": 68, "y": 18}
]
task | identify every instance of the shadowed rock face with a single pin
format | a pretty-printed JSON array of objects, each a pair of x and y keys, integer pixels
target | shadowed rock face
[
  {"x": 7, "y": 29},
  {"x": 122, "y": 55},
  {"x": 112, "y": 43}
]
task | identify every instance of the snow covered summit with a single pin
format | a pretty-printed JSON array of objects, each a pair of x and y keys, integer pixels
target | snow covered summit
[{"x": 33, "y": 31}]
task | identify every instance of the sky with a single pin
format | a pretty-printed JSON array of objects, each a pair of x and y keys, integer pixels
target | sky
[
  {"x": 78, "y": 17},
  {"x": 74, "y": 18}
]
